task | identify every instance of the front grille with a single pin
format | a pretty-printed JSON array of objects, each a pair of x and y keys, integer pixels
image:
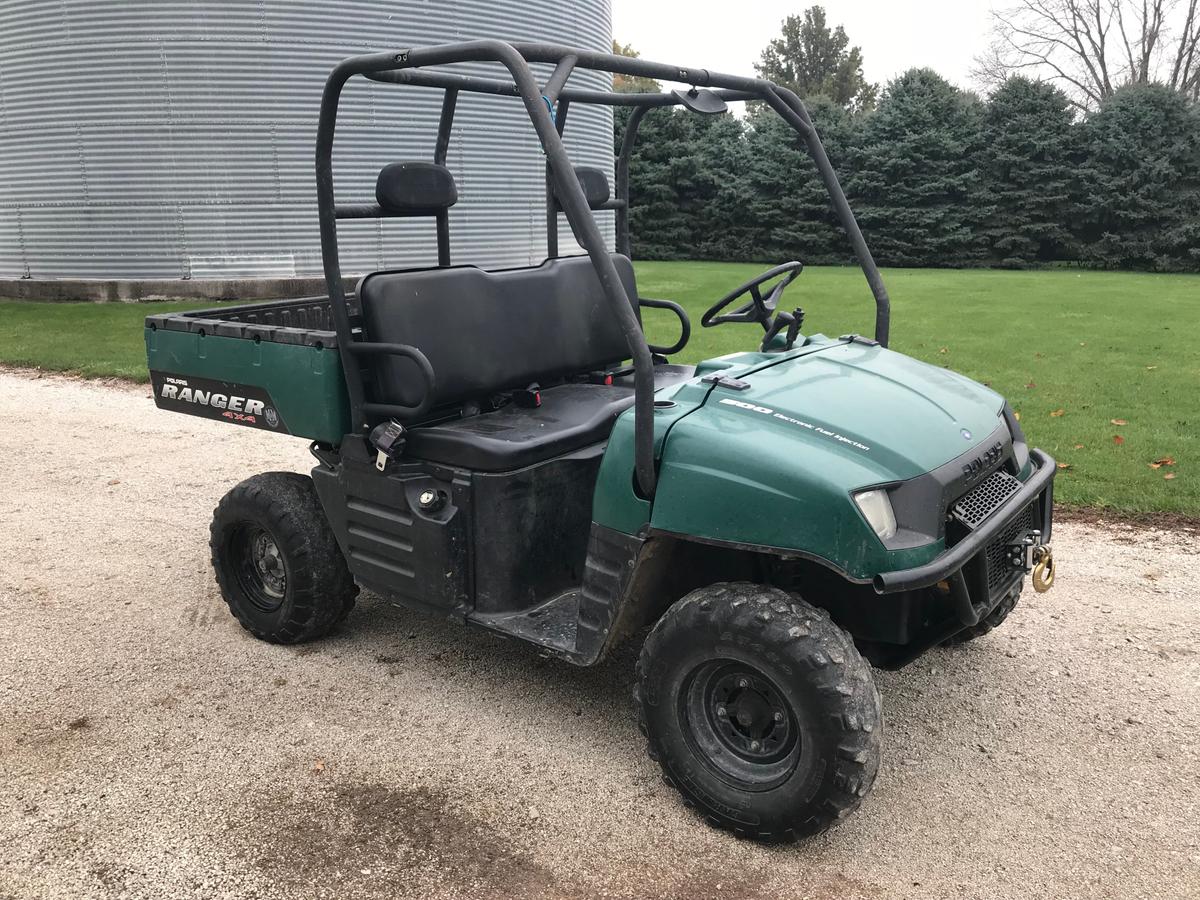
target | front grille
[
  {"x": 998, "y": 569},
  {"x": 974, "y": 507}
]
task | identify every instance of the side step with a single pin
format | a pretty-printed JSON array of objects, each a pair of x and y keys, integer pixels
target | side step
[
  {"x": 577, "y": 625},
  {"x": 552, "y": 626}
]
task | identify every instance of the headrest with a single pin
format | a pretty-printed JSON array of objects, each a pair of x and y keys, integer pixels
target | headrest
[
  {"x": 595, "y": 185},
  {"x": 418, "y": 188}
]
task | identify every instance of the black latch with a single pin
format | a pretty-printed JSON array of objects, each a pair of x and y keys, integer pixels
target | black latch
[
  {"x": 858, "y": 339},
  {"x": 726, "y": 381},
  {"x": 388, "y": 440},
  {"x": 530, "y": 398}
]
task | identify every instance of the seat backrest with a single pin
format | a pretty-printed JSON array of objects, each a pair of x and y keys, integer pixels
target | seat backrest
[
  {"x": 415, "y": 188},
  {"x": 594, "y": 183},
  {"x": 485, "y": 332}
]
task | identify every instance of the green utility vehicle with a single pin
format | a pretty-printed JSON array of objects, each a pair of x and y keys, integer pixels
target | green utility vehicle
[{"x": 506, "y": 449}]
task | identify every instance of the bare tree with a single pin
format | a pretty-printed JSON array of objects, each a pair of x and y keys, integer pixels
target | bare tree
[{"x": 1093, "y": 47}]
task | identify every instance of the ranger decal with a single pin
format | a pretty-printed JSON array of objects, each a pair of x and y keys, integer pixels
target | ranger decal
[{"x": 243, "y": 404}]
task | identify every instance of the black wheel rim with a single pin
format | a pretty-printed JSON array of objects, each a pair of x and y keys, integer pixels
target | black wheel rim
[
  {"x": 259, "y": 567},
  {"x": 739, "y": 722}
]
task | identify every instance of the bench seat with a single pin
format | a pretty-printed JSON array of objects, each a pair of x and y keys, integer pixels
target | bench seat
[
  {"x": 490, "y": 333},
  {"x": 572, "y": 416}
]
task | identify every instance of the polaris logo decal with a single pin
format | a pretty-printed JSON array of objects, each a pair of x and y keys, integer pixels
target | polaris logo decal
[
  {"x": 242, "y": 404},
  {"x": 816, "y": 429},
  {"x": 983, "y": 462}
]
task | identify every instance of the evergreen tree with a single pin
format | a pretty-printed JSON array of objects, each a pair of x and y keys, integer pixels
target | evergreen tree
[
  {"x": 1029, "y": 163},
  {"x": 1141, "y": 180},
  {"x": 936, "y": 177},
  {"x": 687, "y": 191},
  {"x": 915, "y": 180},
  {"x": 665, "y": 176},
  {"x": 723, "y": 228},
  {"x": 813, "y": 60},
  {"x": 787, "y": 205}
]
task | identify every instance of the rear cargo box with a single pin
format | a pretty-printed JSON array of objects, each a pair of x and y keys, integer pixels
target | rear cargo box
[{"x": 273, "y": 366}]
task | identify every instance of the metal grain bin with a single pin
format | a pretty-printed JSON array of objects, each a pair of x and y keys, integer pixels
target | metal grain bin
[{"x": 166, "y": 140}]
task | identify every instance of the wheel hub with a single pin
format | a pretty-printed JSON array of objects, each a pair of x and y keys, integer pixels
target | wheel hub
[
  {"x": 740, "y": 723},
  {"x": 268, "y": 564},
  {"x": 258, "y": 566},
  {"x": 749, "y": 716}
]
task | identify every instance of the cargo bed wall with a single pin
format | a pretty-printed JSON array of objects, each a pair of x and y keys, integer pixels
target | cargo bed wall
[{"x": 273, "y": 366}]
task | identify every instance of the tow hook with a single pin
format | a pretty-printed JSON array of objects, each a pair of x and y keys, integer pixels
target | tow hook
[
  {"x": 1032, "y": 556},
  {"x": 1043, "y": 568}
]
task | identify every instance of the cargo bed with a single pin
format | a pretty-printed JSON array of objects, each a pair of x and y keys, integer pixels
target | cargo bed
[{"x": 273, "y": 366}]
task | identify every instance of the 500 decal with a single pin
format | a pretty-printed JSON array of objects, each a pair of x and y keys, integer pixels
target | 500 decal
[
  {"x": 817, "y": 429},
  {"x": 244, "y": 404}
]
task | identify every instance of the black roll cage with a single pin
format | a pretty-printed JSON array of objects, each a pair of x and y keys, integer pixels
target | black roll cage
[{"x": 547, "y": 106}]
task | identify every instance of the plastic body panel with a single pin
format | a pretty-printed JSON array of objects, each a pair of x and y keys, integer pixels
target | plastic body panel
[
  {"x": 774, "y": 494},
  {"x": 617, "y": 503},
  {"x": 298, "y": 369},
  {"x": 418, "y": 557},
  {"x": 515, "y": 552},
  {"x": 531, "y": 531},
  {"x": 774, "y": 466}
]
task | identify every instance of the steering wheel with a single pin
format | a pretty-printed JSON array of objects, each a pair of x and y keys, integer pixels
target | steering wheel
[{"x": 760, "y": 308}]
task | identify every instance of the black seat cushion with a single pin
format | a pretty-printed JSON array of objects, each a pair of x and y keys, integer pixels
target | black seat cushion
[
  {"x": 571, "y": 416},
  {"x": 486, "y": 332}
]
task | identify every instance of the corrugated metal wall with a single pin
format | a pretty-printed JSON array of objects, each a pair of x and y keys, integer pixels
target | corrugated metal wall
[{"x": 159, "y": 139}]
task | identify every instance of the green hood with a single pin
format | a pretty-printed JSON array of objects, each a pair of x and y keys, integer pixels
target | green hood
[
  {"x": 775, "y": 464},
  {"x": 903, "y": 417}
]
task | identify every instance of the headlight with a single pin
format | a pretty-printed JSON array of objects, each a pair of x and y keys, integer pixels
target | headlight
[{"x": 877, "y": 509}]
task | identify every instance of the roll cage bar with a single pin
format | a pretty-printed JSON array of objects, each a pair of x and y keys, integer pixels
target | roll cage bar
[{"x": 547, "y": 106}]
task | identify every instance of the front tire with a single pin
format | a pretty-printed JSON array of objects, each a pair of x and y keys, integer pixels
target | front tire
[
  {"x": 760, "y": 711},
  {"x": 277, "y": 562}
]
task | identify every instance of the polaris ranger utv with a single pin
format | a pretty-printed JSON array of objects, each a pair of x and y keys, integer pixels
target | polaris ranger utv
[{"x": 506, "y": 449}]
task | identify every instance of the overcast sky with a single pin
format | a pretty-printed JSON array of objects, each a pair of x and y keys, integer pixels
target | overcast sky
[{"x": 895, "y": 35}]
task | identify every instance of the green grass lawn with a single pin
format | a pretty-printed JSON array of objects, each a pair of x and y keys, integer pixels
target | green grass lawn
[
  {"x": 99, "y": 340},
  {"x": 1072, "y": 350}
]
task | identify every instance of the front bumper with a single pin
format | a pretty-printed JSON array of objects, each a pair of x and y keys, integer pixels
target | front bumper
[{"x": 948, "y": 566}]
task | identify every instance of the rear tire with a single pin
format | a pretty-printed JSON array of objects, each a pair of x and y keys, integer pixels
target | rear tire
[
  {"x": 760, "y": 711},
  {"x": 277, "y": 562},
  {"x": 992, "y": 620}
]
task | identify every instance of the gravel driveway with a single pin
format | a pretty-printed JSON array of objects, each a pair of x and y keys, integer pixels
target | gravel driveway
[{"x": 150, "y": 748}]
